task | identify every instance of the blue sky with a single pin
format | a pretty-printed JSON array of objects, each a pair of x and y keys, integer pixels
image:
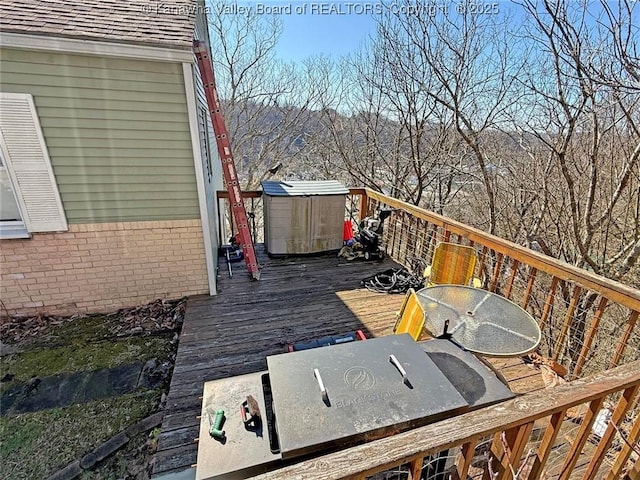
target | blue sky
[
  {"x": 329, "y": 27},
  {"x": 335, "y": 27},
  {"x": 330, "y": 34},
  {"x": 339, "y": 27}
]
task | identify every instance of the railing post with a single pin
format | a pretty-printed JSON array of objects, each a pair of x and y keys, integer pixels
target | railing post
[
  {"x": 631, "y": 323},
  {"x": 415, "y": 468},
  {"x": 591, "y": 333},
  {"x": 514, "y": 271},
  {"x": 527, "y": 292},
  {"x": 548, "y": 304},
  {"x": 507, "y": 448},
  {"x": 577, "y": 292},
  {"x": 496, "y": 273},
  {"x": 625, "y": 453}
]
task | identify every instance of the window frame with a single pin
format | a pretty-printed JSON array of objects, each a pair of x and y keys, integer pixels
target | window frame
[{"x": 12, "y": 228}]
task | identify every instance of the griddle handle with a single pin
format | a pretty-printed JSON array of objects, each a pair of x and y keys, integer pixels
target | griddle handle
[
  {"x": 323, "y": 390},
  {"x": 398, "y": 365}
]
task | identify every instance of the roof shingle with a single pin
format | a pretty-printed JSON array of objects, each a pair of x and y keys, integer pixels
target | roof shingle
[{"x": 167, "y": 23}]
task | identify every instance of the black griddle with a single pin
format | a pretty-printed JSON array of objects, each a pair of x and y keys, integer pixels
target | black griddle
[
  {"x": 366, "y": 398},
  {"x": 367, "y": 394}
]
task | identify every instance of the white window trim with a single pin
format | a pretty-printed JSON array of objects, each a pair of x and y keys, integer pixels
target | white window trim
[
  {"x": 205, "y": 133},
  {"x": 16, "y": 193}
]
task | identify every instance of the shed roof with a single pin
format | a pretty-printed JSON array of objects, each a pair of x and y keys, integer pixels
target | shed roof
[
  {"x": 167, "y": 24},
  {"x": 292, "y": 188}
]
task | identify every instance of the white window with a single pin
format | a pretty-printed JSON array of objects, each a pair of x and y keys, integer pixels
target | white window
[
  {"x": 29, "y": 197},
  {"x": 11, "y": 224}
]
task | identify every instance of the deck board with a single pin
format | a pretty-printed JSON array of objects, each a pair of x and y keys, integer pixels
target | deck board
[{"x": 295, "y": 300}]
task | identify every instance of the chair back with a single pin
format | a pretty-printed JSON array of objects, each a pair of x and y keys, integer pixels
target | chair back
[
  {"x": 452, "y": 264},
  {"x": 410, "y": 318}
]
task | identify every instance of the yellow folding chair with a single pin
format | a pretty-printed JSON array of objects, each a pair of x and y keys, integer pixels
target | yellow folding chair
[
  {"x": 410, "y": 318},
  {"x": 452, "y": 264}
]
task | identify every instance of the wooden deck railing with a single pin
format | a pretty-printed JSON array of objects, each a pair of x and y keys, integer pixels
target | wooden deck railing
[
  {"x": 589, "y": 326},
  {"x": 510, "y": 424},
  {"x": 589, "y": 322}
]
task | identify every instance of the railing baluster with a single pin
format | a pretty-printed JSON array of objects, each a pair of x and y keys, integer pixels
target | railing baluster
[
  {"x": 546, "y": 444},
  {"x": 402, "y": 237},
  {"x": 464, "y": 462},
  {"x": 548, "y": 304},
  {"x": 527, "y": 293},
  {"x": 508, "y": 449},
  {"x": 514, "y": 271},
  {"x": 433, "y": 240},
  {"x": 447, "y": 235},
  {"x": 415, "y": 468},
  {"x": 621, "y": 460},
  {"x": 412, "y": 234},
  {"x": 619, "y": 412},
  {"x": 581, "y": 438},
  {"x": 424, "y": 248},
  {"x": 591, "y": 334},
  {"x": 568, "y": 318},
  {"x": 399, "y": 233},
  {"x": 496, "y": 273},
  {"x": 483, "y": 256},
  {"x": 622, "y": 344},
  {"x": 395, "y": 234}
]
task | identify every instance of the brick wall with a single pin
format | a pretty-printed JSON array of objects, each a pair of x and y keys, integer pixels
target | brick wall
[{"x": 102, "y": 267}]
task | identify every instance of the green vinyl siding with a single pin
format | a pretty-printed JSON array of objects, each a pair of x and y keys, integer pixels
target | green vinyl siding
[{"x": 117, "y": 132}]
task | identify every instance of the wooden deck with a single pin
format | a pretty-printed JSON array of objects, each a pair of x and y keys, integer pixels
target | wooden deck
[
  {"x": 295, "y": 300},
  {"x": 233, "y": 332}
]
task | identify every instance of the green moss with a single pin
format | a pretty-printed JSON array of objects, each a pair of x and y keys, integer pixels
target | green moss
[
  {"x": 43, "y": 362},
  {"x": 37, "y": 444}
]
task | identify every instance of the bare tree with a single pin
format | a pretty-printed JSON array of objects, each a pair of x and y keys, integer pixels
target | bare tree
[
  {"x": 591, "y": 139},
  {"x": 393, "y": 134},
  {"x": 265, "y": 100},
  {"x": 461, "y": 62},
  {"x": 584, "y": 93}
]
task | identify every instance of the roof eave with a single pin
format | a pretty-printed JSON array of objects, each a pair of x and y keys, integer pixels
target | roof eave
[{"x": 87, "y": 46}]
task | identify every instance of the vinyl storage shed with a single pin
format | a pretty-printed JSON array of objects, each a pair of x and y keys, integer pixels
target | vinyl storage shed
[{"x": 302, "y": 217}]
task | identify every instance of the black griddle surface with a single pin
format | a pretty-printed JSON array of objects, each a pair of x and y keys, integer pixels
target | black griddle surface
[
  {"x": 475, "y": 381},
  {"x": 367, "y": 397}
]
